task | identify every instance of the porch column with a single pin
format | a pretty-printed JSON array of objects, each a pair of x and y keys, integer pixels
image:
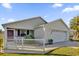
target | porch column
[
  {"x": 44, "y": 39},
  {"x": 5, "y": 38},
  {"x": 68, "y": 35},
  {"x": 15, "y": 39},
  {"x": 14, "y": 35}
]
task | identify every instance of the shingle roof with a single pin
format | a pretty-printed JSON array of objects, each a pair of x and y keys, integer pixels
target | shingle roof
[{"x": 25, "y": 20}]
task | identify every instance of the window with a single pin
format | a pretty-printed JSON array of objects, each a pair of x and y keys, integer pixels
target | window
[
  {"x": 30, "y": 32},
  {"x": 21, "y": 32},
  {"x": 27, "y": 32},
  {"x": 18, "y": 31}
]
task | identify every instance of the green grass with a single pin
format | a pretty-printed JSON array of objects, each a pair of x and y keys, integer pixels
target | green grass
[{"x": 66, "y": 51}]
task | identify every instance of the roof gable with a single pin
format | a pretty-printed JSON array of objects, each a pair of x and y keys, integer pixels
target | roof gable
[
  {"x": 37, "y": 20},
  {"x": 57, "y": 24}
]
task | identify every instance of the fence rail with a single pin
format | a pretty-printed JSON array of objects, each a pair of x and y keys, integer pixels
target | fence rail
[
  {"x": 29, "y": 41},
  {"x": 30, "y": 44}
]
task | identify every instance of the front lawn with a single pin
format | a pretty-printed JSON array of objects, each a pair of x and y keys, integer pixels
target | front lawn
[{"x": 66, "y": 51}]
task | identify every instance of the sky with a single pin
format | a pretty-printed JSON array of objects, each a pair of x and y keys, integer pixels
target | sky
[{"x": 10, "y": 12}]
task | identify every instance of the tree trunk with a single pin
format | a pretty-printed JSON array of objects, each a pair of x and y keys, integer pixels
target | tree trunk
[{"x": 76, "y": 35}]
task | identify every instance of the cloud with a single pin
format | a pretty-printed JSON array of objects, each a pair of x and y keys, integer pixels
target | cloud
[
  {"x": 2, "y": 18},
  {"x": 7, "y": 20},
  {"x": 45, "y": 16},
  {"x": 57, "y": 5},
  {"x": 7, "y": 5},
  {"x": 10, "y": 20},
  {"x": 70, "y": 9}
]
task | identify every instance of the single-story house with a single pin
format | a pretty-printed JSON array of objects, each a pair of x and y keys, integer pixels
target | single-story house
[{"x": 35, "y": 28}]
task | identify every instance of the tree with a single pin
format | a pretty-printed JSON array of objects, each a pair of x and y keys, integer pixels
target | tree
[{"x": 74, "y": 24}]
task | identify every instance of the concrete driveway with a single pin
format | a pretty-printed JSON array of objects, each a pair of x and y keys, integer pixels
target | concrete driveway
[
  {"x": 66, "y": 43},
  {"x": 61, "y": 44}
]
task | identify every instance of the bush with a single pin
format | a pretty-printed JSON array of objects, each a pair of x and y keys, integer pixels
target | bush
[
  {"x": 77, "y": 40},
  {"x": 50, "y": 41},
  {"x": 1, "y": 41},
  {"x": 29, "y": 37},
  {"x": 71, "y": 39}
]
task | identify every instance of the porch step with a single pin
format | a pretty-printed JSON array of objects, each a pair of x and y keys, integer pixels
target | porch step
[
  {"x": 27, "y": 46},
  {"x": 30, "y": 51},
  {"x": 24, "y": 51}
]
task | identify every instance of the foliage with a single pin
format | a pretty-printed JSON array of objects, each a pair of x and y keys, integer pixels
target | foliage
[
  {"x": 1, "y": 41},
  {"x": 71, "y": 39},
  {"x": 74, "y": 24},
  {"x": 29, "y": 37},
  {"x": 1, "y": 35},
  {"x": 50, "y": 41}
]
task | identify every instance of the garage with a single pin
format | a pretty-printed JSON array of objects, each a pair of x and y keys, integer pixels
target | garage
[{"x": 59, "y": 36}]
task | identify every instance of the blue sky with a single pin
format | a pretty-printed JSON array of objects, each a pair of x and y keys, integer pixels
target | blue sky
[{"x": 49, "y": 11}]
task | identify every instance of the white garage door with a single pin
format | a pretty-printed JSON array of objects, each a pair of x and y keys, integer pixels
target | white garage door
[{"x": 59, "y": 36}]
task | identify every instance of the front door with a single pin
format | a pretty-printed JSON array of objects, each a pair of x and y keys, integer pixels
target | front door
[{"x": 10, "y": 34}]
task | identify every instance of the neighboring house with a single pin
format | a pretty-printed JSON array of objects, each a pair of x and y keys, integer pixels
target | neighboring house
[{"x": 38, "y": 28}]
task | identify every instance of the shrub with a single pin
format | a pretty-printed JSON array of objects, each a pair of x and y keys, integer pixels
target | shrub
[
  {"x": 71, "y": 39},
  {"x": 50, "y": 41},
  {"x": 29, "y": 37},
  {"x": 1, "y": 41}
]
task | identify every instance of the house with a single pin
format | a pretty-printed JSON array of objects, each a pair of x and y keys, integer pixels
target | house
[{"x": 35, "y": 28}]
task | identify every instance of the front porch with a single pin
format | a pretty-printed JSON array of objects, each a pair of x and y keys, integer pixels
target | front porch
[
  {"x": 45, "y": 49},
  {"x": 14, "y": 33},
  {"x": 37, "y": 46},
  {"x": 23, "y": 40}
]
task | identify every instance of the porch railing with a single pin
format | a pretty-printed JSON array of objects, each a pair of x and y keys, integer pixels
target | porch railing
[{"x": 30, "y": 43}]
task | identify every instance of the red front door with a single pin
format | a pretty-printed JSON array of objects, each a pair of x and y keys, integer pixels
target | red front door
[{"x": 10, "y": 34}]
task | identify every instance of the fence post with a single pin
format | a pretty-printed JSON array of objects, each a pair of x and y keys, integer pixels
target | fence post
[
  {"x": 44, "y": 45},
  {"x": 22, "y": 43},
  {"x": 16, "y": 43}
]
